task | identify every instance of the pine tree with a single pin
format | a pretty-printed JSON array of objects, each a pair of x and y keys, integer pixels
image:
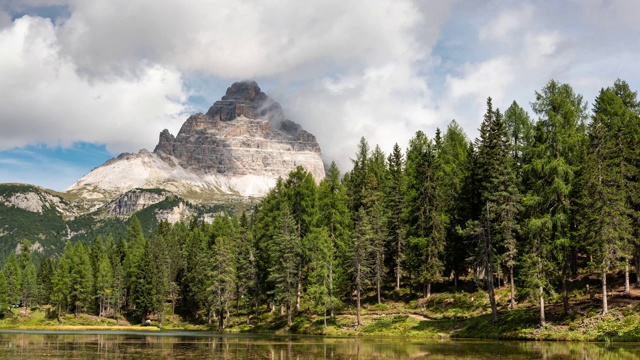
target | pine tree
[
  {"x": 28, "y": 280},
  {"x": 223, "y": 275},
  {"x": 4, "y": 295},
  {"x": 607, "y": 221},
  {"x": 454, "y": 158},
  {"x": 62, "y": 281},
  {"x": 322, "y": 263},
  {"x": 556, "y": 153},
  {"x": 424, "y": 213},
  {"x": 44, "y": 281},
  {"x": 246, "y": 280},
  {"x": 335, "y": 217},
  {"x": 81, "y": 278},
  {"x": 287, "y": 250},
  {"x": 361, "y": 259},
  {"x": 394, "y": 201},
  {"x": 12, "y": 275}
]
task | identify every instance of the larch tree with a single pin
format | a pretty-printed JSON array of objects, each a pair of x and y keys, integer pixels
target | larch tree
[
  {"x": 556, "y": 155},
  {"x": 335, "y": 217}
]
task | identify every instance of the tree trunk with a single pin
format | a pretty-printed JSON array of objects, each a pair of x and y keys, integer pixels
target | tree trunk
[
  {"x": 455, "y": 279},
  {"x": 358, "y": 306},
  {"x": 565, "y": 296},
  {"x": 637, "y": 267},
  {"x": 605, "y": 307},
  {"x": 299, "y": 288},
  {"x": 331, "y": 290},
  {"x": 512, "y": 303},
  {"x": 378, "y": 286},
  {"x": 542, "y": 319},
  {"x": 627, "y": 287},
  {"x": 428, "y": 289},
  {"x": 325, "y": 317},
  {"x": 289, "y": 313},
  {"x": 398, "y": 267},
  {"x": 492, "y": 294}
]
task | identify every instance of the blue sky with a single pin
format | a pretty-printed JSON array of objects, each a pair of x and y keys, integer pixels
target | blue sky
[{"x": 83, "y": 81}]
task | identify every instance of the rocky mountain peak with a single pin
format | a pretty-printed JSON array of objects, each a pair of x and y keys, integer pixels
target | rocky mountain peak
[
  {"x": 241, "y": 146},
  {"x": 246, "y": 99}
]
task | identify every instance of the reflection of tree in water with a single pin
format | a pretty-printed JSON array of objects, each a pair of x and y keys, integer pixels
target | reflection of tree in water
[{"x": 197, "y": 345}]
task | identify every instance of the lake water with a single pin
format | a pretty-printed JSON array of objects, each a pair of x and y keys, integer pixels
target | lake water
[{"x": 26, "y": 345}]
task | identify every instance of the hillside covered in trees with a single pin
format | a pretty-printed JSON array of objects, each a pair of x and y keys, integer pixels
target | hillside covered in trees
[{"x": 530, "y": 205}]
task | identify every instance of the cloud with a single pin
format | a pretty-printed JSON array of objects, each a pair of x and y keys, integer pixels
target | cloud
[
  {"x": 117, "y": 72},
  {"x": 46, "y": 100}
]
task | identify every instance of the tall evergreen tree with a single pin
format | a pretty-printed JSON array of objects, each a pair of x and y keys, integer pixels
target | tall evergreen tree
[
  {"x": 28, "y": 279},
  {"x": 361, "y": 259},
  {"x": 424, "y": 213},
  {"x": 287, "y": 250},
  {"x": 394, "y": 199},
  {"x": 335, "y": 217},
  {"x": 12, "y": 275},
  {"x": 454, "y": 158},
  {"x": 607, "y": 221},
  {"x": 556, "y": 154}
]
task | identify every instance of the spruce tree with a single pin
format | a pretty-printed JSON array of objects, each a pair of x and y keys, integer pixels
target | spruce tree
[
  {"x": 394, "y": 201},
  {"x": 28, "y": 277},
  {"x": 424, "y": 213},
  {"x": 361, "y": 259},
  {"x": 12, "y": 275},
  {"x": 287, "y": 251}
]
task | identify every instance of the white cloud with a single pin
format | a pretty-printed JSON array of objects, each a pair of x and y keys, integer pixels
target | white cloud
[
  {"x": 47, "y": 101},
  {"x": 114, "y": 71}
]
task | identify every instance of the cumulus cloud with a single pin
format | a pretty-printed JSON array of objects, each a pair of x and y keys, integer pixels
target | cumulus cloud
[
  {"x": 47, "y": 101},
  {"x": 116, "y": 72}
]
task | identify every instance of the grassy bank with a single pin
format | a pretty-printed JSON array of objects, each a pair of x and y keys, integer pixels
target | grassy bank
[{"x": 444, "y": 315}]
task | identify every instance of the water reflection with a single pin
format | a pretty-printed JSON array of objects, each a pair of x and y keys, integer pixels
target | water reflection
[{"x": 198, "y": 345}]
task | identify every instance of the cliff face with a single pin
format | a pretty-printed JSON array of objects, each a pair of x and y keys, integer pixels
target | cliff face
[
  {"x": 245, "y": 133},
  {"x": 239, "y": 147}
]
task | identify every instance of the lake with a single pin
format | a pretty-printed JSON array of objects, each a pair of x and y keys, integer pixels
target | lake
[{"x": 26, "y": 345}]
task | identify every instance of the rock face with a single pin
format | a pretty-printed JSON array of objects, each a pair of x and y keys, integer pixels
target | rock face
[
  {"x": 240, "y": 146},
  {"x": 133, "y": 201}
]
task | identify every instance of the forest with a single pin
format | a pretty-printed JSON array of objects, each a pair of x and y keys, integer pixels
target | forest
[{"x": 530, "y": 204}]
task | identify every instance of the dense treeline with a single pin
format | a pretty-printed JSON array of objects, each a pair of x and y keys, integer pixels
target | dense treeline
[{"x": 530, "y": 204}]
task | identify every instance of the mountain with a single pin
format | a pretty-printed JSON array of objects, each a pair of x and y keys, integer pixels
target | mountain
[
  {"x": 238, "y": 148},
  {"x": 224, "y": 160}
]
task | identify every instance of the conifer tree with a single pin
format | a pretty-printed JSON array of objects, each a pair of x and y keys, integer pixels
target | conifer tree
[
  {"x": 556, "y": 153},
  {"x": 4, "y": 294},
  {"x": 246, "y": 267},
  {"x": 287, "y": 250},
  {"x": 394, "y": 199},
  {"x": 361, "y": 260},
  {"x": 28, "y": 280},
  {"x": 223, "y": 275},
  {"x": 454, "y": 160},
  {"x": 44, "y": 281},
  {"x": 12, "y": 275},
  {"x": 424, "y": 213},
  {"x": 81, "y": 278},
  {"x": 607, "y": 221},
  {"x": 322, "y": 261},
  {"x": 335, "y": 217}
]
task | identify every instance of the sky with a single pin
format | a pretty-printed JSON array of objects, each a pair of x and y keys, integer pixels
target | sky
[{"x": 82, "y": 81}]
